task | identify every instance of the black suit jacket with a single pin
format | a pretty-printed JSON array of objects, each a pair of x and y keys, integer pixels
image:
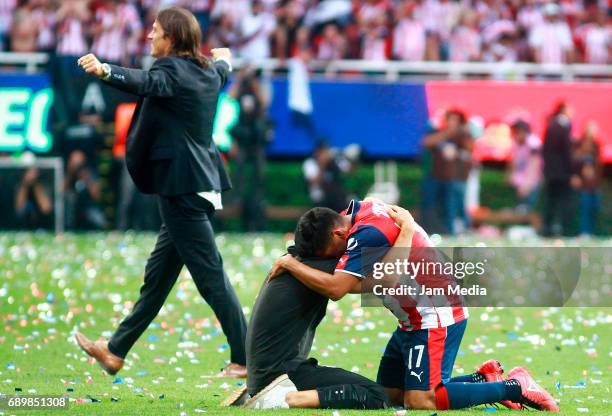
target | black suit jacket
[
  {"x": 169, "y": 148},
  {"x": 557, "y": 151}
]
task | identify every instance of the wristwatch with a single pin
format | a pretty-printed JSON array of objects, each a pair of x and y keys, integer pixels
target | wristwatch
[{"x": 106, "y": 69}]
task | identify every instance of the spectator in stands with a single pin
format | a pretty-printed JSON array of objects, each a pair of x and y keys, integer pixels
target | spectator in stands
[
  {"x": 319, "y": 13},
  {"x": 463, "y": 167},
  {"x": 82, "y": 194},
  {"x": 251, "y": 133},
  {"x": 45, "y": 21},
  {"x": 448, "y": 147},
  {"x": 372, "y": 12},
  {"x": 492, "y": 11},
  {"x": 551, "y": 39},
  {"x": 502, "y": 49},
  {"x": 452, "y": 30},
  {"x": 7, "y": 8},
  {"x": 23, "y": 29},
  {"x": 556, "y": 153},
  {"x": 333, "y": 44},
  {"x": 374, "y": 45},
  {"x": 597, "y": 40},
  {"x": 465, "y": 42},
  {"x": 529, "y": 15},
  {"x": 116, "y": 30},
  {"x": 72, "y": 18},
  {"x": 324, "y": 173},
  {"x": 235, "y": 10},
  {"x": 409, "y": 34},
  {"x": 32, "y": 203},
  {"x": 255, "y": 31},
  {"x": 224, "y": 32},
  {"x": 201, "y": 11},
  {"x": 289, "y": 17},
  {"x": 525, "y": 168},
  {"x": 587, "y": 178}
]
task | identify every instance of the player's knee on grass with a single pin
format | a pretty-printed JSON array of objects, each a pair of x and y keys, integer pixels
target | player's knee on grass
[
  {"x": 353, "y": 396},
  {"x": 420, "y": 399},
  {"x": 303, "y": 399},
  {"x": 396, "y": 396}
]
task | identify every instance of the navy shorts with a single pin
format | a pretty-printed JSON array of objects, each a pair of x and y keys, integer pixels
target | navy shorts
[{"x": 422, "y": 359}]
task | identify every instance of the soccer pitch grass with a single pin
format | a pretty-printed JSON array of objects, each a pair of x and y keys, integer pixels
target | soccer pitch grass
[{"x": 51, "y": 286}]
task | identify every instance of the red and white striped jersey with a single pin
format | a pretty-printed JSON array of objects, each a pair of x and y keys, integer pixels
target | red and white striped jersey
[
  {"x": 374, "y": 228},
  {"x": 597, "y": 41},
  {"x": 70, "y": 37},
  {"x": 45, "y": 21},
  {"x": 551, "y": 41},
  {"x": 465, "y": 44},
  {"x": 112, "y": 43},
  {"x": 7, "y": 8},
  {"x": 409, "y": 40}
]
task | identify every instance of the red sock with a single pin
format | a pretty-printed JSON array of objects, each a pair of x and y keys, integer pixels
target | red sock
[{"x": 442, "y": 402}]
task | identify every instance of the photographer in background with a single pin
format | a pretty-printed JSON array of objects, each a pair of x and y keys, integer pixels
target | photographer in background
[
  {"x": 451, "y": 162},
  {"x": 324, "y": 173},
  {"x": 587, "y": 178},
  {"x": 557, "y": 156},
  {"x": 32, "y": 202},
  {"x": 525, "y": 169},
  {"x": 251, "y": 133},
  {"x": 82, "y": 194}
]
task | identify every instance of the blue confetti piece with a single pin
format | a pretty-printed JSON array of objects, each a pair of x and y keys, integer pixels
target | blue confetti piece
[
  {"x": 558, "y": 385},
  {"x": 162, "y": 396},
  {"x": 152, "y": 338},
  {"x": 512, "y": 336},
  {"x": 118, "y": 380},
  {"x": 490, "y": 409},
  {"x": 50, "y": 297},
  {"x": 10, "y": 366},
  {"x": 581, "y": 384},
  {"x": 69, "y": 389},
  {"x": 214, "y": 331}
]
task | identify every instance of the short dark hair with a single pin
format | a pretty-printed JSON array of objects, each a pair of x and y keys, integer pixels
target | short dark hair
[
  {"x": 521, "y": 125},
  {"x": 313, "y": 231},
  {"x": 181, "y": 26}
]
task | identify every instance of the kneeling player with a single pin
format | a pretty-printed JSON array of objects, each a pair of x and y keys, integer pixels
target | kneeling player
[{"x": 417, "y": 363}]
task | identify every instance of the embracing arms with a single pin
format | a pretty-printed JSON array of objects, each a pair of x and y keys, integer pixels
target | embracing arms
[{"x": 335, "y": 286}]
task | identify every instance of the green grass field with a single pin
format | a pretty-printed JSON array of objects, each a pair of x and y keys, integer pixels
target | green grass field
[{"x": 51, "y": 286}]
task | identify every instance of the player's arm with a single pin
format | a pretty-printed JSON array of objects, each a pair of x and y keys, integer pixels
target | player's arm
[
  {"x": 401, "y": 247},
  {"x": 222, "y": 63},
  {"x": 333, "y": 286},
  {"x": 159, "y": 81}
]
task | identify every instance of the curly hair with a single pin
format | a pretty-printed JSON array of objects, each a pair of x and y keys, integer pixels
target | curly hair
[{"x": 313, "y": 231}]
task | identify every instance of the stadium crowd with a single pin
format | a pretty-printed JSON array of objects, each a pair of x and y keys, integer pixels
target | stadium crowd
[
  {"x": 412, "y": 30},
  {"x": 556, "y": 169}
]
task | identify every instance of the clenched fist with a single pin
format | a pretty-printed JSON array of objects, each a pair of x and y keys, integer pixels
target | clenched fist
[
  {"x": 221, "y": 53},
  {"x": 91, "y": 65}
]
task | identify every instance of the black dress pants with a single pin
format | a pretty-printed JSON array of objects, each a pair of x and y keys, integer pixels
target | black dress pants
[
  {"x": 558, "y": 200},
  {"x": 186, "y": 238},
  {"x": 337, "y": 388}
]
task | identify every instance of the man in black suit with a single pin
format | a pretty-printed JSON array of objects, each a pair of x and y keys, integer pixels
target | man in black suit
[
  {"x": 170, "y": 153},
  {"x": 557, "y": 155}
]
